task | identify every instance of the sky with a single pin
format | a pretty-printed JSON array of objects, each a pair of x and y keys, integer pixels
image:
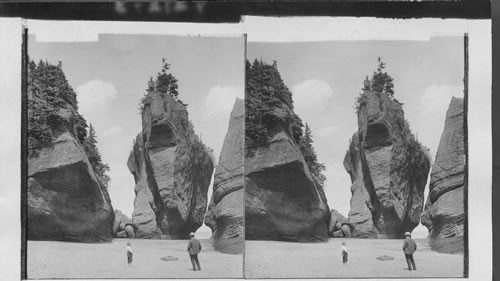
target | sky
[
  {"x": 326, "y": 77},
  {"x": 110, "y": 76}
]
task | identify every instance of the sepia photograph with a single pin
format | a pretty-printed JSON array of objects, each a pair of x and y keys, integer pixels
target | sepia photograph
[
  {"x": 135, "y": 157},
  {"x": 355, "y": 159}
]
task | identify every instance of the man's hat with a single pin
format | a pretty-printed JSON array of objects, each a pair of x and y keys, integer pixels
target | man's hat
[
  {"x": 191, "y": 234},
  {"x": 407, "y": 234}
]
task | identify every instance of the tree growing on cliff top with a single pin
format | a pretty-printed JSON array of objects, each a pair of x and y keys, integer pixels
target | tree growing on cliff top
[
  {"x": 100, "y": 168},
  {"x": 268, "y": 101},
  {"x": 163, "y": 83},
  {"x": 380, "y": 82},
  {"x": 311, "y": 158},
  {"x": 265, "y": 94},
  {"x": 48, "y": 93}
]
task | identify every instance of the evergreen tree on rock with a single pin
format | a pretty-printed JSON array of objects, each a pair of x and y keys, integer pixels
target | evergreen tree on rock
[{"x": 95, "y": 159}]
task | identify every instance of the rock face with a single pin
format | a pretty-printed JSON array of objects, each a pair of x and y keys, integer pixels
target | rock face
[
  {"x": 123, "y": 226},
  {"x": 225, "y": 213},
  {"x": 444, "y": 210},
  {"x": 65, "y": 201},
  {"x": 281, "y": 200},
  {"x": 339, "y": 225},
  {"x": 388, "y": 170},
  {"x": 172, "y": 171}
]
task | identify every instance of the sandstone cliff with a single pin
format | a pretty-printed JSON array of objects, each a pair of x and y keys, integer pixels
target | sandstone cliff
[
  {"x": 225, "y": 213},
  {"x": 282, "y": 199},
  {"x": 444, "y": 210},
  {"x": 388, "y": 170},
  {"x": 65, "y": 200},
  {"x": 172, "y": 171}
]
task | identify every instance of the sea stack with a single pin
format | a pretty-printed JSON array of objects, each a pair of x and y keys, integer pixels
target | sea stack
[
  {"x": 65, "y": 200},
  {"x": 444, "y": 210},
  {"x": 225, "y": 212},
  {"x": 388, "y": 169},
  {"x": 282, "y": 200},
  {"x": 172, "y": 170}
]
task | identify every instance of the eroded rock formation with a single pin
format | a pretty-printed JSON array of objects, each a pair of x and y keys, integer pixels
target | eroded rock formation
[
  {"x": 388, "y": 170},
  {"x": 172, "y": 170},
  {"x": 225, "y": 212},
  {"x": 339, "y": 225},
  {"x": 123, "y": 226},
  {"x": 64, "y": 199},
  {"x": 282, "y": 201},
  {"x": 444, "y": 210}
]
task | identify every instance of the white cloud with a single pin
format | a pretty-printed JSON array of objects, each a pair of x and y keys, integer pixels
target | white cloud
[
  {"x": 436, "y": 98},
  {"x": 311, "y": 96},
  {"x": 95, "y": 96},
  {"x": 220, "y": 100}
]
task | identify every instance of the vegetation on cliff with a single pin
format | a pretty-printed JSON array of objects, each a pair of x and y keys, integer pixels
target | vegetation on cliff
[
  {"x": 164, "y": 83},
  {"x": 48, "y": 93},
  {"x": 380, "y": 82},
  {"x": 49, "y": 97},
  {"x": 269, "y": 101},
  {"x": 100, "y": 168}
]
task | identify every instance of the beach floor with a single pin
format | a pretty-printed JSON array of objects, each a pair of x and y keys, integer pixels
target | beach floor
[
  {"x": 271, "y": 259},
  {"x": 64, "y": 260}
]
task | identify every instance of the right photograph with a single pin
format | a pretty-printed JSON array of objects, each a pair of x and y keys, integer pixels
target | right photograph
[{"x": 356, "y": 159}]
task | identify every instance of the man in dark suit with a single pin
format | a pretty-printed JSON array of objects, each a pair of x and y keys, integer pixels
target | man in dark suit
[
  {"x": 194, "y": 248},
  {"x": 409, "y": 247}
]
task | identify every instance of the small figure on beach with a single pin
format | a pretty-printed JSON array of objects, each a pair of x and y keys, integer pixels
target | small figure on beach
[
  {"x": 129, "y": 254},
  {"x": 409, "y": 247},
  {"x": 194, "y": 248},
  {"x": 344, "y": 253}
]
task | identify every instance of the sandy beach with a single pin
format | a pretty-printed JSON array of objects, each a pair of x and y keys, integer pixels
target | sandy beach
[
  {"x": 50, "y": 259},
  {"x": 271, "y": 259}
]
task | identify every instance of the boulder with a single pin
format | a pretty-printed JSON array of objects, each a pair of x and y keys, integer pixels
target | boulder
[
  {"x": 444, "y": 213},
  {"x": 119, "y": 222},
  {"x": 339, "y": 225},
  {"x": 172, "y": 170},
  {"x": 65, "y": 201},
  {"x": 388, "y": 169},
  {"x": 282, "y": 201},
  {"x": 225, "y": 213},
  {"x": 123, "y": 226}
]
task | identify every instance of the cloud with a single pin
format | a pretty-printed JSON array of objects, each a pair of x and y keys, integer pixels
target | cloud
[
  {"x": 436, "y": 98},
  {"x": 95, "y": 96},
  {"x": 220, "y": 100},
  {"x": 311, "y": 96}
]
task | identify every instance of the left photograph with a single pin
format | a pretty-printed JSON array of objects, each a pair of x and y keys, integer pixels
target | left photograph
[{"x": 135, "y": 157}]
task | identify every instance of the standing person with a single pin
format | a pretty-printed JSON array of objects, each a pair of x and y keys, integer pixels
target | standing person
[
  {"x": 344, "y": 253},
  {"x": 129, "y": 254},
  {"x": 194, "y": 248},
  {"x": 409, "y": 247}
]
